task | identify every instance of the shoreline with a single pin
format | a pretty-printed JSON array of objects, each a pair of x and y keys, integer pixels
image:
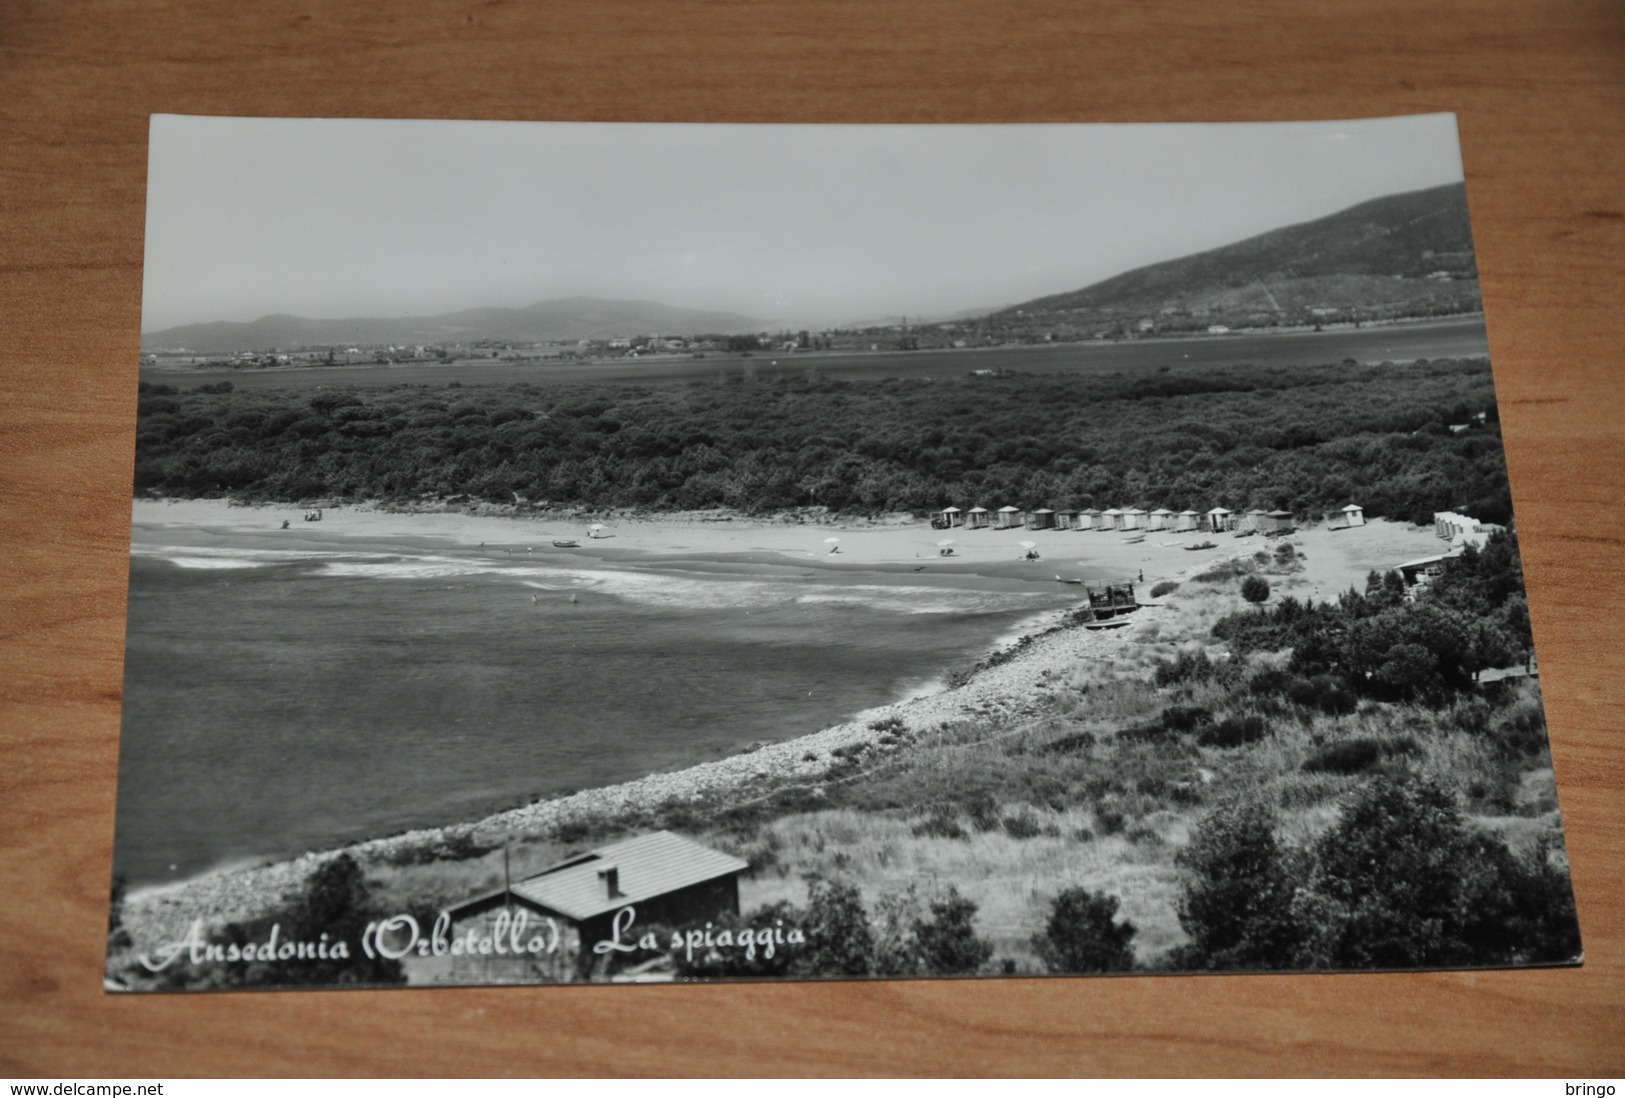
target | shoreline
[
  {"x": 1042, "y": 647},
  {"x": 243, "y": 892}
]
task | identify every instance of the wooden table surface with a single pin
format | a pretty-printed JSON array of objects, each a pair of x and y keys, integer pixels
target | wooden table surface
[{"x": 1539, "y": 86}]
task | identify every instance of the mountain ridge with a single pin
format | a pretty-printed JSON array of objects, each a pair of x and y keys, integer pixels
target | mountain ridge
[{"x": 1411, "y": 250}]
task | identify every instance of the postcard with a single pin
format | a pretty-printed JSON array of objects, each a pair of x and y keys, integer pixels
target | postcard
[{"x": 575, "y": 553}]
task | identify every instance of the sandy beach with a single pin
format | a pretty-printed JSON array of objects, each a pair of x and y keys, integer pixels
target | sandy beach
[
  {"x": 1335, "y": 560},
  {"x": 896, "y": 542}
]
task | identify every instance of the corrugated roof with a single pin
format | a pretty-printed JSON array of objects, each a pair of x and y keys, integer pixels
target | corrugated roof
[{"x": 647, "y": 866}]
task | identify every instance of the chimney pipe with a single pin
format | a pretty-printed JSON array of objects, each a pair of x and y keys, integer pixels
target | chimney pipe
[{"x": 612, "y": 880}]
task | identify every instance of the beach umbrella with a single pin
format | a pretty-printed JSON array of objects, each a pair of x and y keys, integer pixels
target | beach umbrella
[
  {"x": 945, "y": 542},
  {"x": 832, "y": 541},
  {"x": 1029, "y": 545}
]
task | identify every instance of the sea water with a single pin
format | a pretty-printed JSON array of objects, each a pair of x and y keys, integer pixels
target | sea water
[{"x": 277, "y": 701}]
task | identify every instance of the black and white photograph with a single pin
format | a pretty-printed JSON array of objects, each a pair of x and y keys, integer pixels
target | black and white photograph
[{"x": 626, "y": 553}]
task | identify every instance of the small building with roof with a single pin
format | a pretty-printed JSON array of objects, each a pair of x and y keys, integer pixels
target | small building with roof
[
  {"x": 1008, "y": 518},
  {"x": 664, "y": 878},
  {"x": 1275, "y": 522},
  {"x": 1041, "y": 519},
  {"x": 1221, "y": 519},
  {"x": 1349, "y": 517},
  {"x": 1160, "y": 519},
  {"x": 976, "y": 518},
  {"x": 1187, "y": 520},
  {"x": 1460, "y": 530},
  {"x": 1248, "y": 520},
  {"x": 1089, "y": 519},
  {"x": 950, "y": 517},
  {"x": 1111, "y": 519},
  {"x": 1066, "y": 519}
]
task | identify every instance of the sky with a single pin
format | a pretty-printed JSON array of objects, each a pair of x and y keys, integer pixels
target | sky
[{"x": 793, "y": 225}]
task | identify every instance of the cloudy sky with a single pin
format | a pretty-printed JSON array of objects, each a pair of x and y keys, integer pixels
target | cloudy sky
[{"x": 799, "y": 225}]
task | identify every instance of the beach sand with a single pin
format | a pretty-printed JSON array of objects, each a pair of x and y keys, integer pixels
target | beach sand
[
  {"x": 1335, "y": 560},
  {"x": 899, "y": 543}
]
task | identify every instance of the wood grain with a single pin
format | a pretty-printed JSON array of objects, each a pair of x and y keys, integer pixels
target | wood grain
[{"x": 1539, "y": 86}]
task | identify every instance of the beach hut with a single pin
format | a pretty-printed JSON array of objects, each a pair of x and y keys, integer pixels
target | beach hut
[
  {"x": 1221, "y": 519},
  {"x": 1009, "y": 518},
  {"x": 976, "y": 518},
  {"x": 1275, "y": 522},
  {"x": 1249, "y": 520},
  {"x": 951, "y": 517},
  {"x": 1089, "y": 519},
  {"x": 1041, "y": 519},
  {"x": 1449, "y": 525},
  {"x": 1134, "y": 519},
  {"x": 1349, "y": 517},
  {"x": 1161, "y": 519},
  {"x": 1111, "y": 519},
  {"x": 1066, "y": 520},
  {"x": 1187, "y": 520}
]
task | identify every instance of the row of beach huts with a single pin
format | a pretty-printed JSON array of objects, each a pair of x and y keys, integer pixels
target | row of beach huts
[{"x": 1218, "y": 520}]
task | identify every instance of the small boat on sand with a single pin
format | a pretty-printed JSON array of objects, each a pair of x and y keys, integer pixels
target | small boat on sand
[
  {"x": 1058, "y": 579},
  {"x": 1202, "y": 545},
  {"x": 566, "y": 543},
  {"x": 1135, "y": 540}
]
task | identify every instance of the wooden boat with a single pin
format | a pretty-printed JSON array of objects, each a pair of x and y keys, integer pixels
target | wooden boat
[
  {"x": 1058, "y": 579},
  {"x": 1202, "y": 545},
  {"x": 1135, "y": 540},
  {"x": 566, "y": 543}
]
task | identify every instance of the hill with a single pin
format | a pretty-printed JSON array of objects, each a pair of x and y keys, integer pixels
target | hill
[
  {"x": 571, "y": 318},
  {"x": 1406, "y": 254}
]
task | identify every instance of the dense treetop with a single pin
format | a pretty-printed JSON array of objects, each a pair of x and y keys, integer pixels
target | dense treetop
[{"x": 1304, "y": 439}]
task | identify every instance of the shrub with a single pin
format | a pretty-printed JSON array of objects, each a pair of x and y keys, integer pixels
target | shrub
[
  {"x": 1165, "y": 587},
  {"x": 1185, "y": 718},
  {"x": 1255, "y": 589},
  {"x": 1082, "y": 934},
  {"x": 984, "y": 812},
  {"x": 1023, "y": 825},
  {"x": 1224, "y": 570},
  {"x": 1232, "y": 732},
  {"x": 1407, "y": 883},
  {"x": 839, "y": 939},
  {"x": 1112, "y": 820},
  {"x": 947, "y": 943},
  {"x": 938, "y": 825},
  {"x": 733, "y": 962},
  {"x": 1238, "y": 902},
  {"x": 1186, "y": 667},
  {"x": 1069, "y": 743},
  {"x": 1356, "y": 755}
]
